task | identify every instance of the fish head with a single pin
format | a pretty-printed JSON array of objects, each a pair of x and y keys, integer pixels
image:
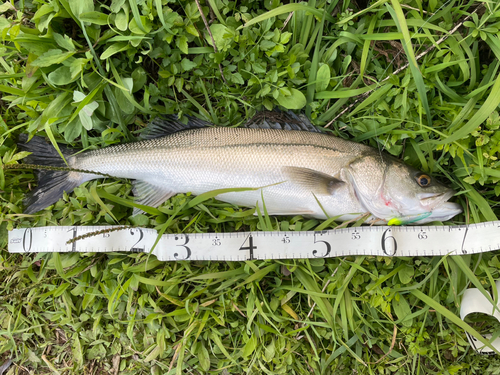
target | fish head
[{"x": 398, "y": 193}]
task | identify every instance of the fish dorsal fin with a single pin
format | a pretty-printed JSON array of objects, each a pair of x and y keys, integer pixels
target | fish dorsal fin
[
  {"x": 277, "y": 119},
  {"x": 169, "y": 124},
  {"x": 317, "y": 182},
  {"x": 149, "y": 195}
]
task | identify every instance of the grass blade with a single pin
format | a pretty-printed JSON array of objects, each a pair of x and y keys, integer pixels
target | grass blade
[
  {"x": 341, "y": 94},
  {"x": 314, "y": 69},
  {"x": 137, "y": 16},
  {"x": 288, "y": 9},
  {"x": 490, "y": 104},
  {"x": 213, "y": 193},
  {"x": 399, "y": 17}
]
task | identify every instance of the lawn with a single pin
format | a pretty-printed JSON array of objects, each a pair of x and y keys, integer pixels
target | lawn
[{"x": 417, "y": 79}]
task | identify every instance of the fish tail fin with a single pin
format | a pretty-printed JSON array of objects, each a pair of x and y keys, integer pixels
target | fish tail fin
[{"x": 51, "y": 183}]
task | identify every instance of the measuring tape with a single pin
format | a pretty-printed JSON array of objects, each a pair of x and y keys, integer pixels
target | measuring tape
[{"x": 402, "y": 241}]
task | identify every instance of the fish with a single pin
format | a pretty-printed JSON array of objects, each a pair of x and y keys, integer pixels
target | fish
[{"x": 292, "y": 166}]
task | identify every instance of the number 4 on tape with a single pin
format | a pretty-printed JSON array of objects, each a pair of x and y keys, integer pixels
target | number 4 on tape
[{"x": 249, "y": 246}]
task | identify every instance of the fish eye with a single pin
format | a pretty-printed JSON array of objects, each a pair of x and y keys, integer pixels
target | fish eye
[{"x": 423, "y": 180}]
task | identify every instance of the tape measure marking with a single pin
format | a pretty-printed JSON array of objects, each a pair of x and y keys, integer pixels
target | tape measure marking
[{"x": 375, "y": 241}]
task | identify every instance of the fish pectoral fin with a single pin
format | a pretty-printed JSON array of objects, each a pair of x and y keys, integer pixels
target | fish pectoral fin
[
  {"x": 149, "y": 195},
  {"x": 317, "y": 182}
]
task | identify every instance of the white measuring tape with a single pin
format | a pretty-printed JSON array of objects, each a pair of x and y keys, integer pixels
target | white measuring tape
[{"x": 240, "y": 246}]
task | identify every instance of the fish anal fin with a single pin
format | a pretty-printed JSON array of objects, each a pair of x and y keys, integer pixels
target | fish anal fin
[
  {"x": 148, "y": 194},
  {"x": 317, "y": 182}
]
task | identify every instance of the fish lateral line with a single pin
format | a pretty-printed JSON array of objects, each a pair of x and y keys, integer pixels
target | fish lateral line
[{"x": 54, "y": 168}]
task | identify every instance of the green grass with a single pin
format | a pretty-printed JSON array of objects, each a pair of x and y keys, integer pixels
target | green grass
[{"x": 91, "y": 74}]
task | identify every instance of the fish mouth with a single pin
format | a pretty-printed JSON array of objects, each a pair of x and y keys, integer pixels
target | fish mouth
[
  {"x": 446, "y": 211},
  {"x": 433, "y": 200},
  {"x": 441, "y": 209}
]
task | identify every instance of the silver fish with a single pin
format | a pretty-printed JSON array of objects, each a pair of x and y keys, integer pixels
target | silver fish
[{"x": 297, "y": 172}]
